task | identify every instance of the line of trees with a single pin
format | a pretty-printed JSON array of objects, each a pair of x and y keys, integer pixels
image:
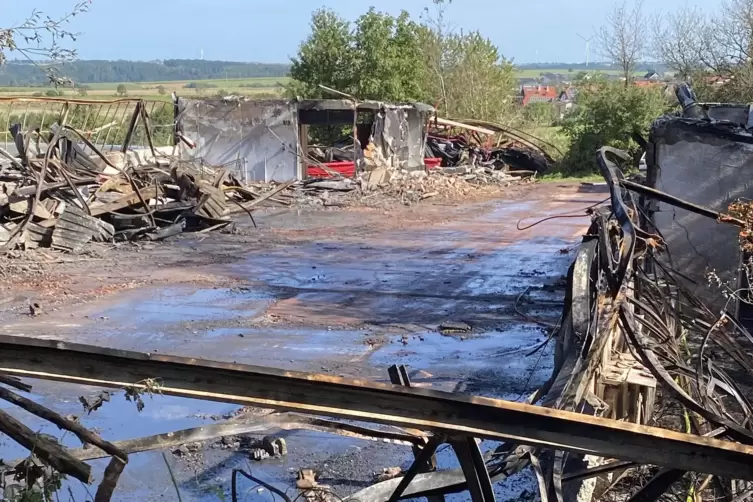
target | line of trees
[
  {"x": 18, "y": 73},
  {"x": 399, "y": 59}
]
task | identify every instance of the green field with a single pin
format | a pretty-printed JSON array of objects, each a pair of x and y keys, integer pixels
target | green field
[{"x": 259, "y": 87}]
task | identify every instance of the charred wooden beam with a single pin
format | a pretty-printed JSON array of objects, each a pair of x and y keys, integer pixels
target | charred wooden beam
[
  {"x": 110, "y": 480},
  {"x": 50, "y": 452},
  {"x": 439, "y": 412},
  {"x": 84, "y": 434}
]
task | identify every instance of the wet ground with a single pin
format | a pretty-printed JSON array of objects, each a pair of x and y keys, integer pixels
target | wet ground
[{"x": 347, "y": 293}]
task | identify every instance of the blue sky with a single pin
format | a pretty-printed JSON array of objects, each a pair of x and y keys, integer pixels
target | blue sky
[{"x": 270, "y": 30}]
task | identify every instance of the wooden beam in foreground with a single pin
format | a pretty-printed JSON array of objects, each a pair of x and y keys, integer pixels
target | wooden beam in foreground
[{"x": 441, "y": 412}]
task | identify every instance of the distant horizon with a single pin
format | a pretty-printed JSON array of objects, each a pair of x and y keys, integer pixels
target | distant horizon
[
  {"x": 267, "y": 32},
  {"x": 154, "y": 60}
]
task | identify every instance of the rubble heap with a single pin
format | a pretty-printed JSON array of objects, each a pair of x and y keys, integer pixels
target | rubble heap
[
  {"x": 72, "y": 193},
  {"x": 385, "y": 186}
]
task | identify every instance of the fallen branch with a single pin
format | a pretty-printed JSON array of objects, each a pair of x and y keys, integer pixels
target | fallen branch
[
  {"x": 84, "y": 434},
  {"x": 284, "y": 421},
  {"x": 110, "y": 480},
  {"x": 48, "y": 451}
]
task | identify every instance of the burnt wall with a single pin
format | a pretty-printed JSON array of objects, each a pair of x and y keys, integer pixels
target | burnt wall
[
  {"x": 708, "y": 163},
  {"x": 257, "y": 140}
]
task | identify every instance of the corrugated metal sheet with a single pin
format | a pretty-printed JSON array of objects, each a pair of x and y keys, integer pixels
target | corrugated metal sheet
[
  {"x": 256, "y": 140},
  {"x": 74, "y": 229},
  {"x": 36, "y": 235}
]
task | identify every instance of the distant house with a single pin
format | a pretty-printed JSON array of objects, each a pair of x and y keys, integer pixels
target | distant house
[
  {"x": 568, "y": 95},
  {"x": 549, "y": 78},
  {"x": 525, "y": 81},
  {"x": 539, "y": 94},
  {"x": 652, "y": 76},
  {"x": 566, "y": 101},
  {"x": 553, "y": 78}
]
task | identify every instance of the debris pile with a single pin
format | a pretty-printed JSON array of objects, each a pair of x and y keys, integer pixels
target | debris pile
[
  {"x": 384, "y": 185},
  {"x": 458, "y": 151},
  {"x": 267, "y": 447},
  {"x": 636, "y": 333},
  {"x": 484, "y": 144},
  {"x": 70, "y": 193}
]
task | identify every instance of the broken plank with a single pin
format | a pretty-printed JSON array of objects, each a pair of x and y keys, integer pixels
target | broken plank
[
  {"x": 460, "y": 125},
  {"x": 32, "y": 189},
  {"x": 262, "y": 198},
  {"x": 22, "y": 206},
  {"x": 424, "y": 409},
  {"x": 128, "y": 200},
  {"x": 74, "y": 229}
]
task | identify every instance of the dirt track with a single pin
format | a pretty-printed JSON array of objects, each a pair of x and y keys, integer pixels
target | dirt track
[{"x": 347, "y": 292}]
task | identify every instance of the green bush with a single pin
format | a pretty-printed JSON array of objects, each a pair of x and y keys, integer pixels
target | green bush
[
  {"x": 607, "y": 114},
  {"x": 539, "y": 113}
]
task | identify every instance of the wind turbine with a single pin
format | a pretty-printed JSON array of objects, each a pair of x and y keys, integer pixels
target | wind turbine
[{"x": 588, "y": 46}]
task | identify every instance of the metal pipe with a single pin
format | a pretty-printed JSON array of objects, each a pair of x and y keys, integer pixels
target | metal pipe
[{"x": 682, "y": 204}]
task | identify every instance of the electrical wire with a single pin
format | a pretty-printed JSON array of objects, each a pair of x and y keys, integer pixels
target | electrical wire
[
  {"x": 532, "y": 373},
  {"x": 562, "y": 215},
  {"x": 272, "y": 489}
]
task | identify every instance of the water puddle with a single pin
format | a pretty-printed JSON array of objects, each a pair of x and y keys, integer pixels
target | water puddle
[{"x": 175, "y": 305}]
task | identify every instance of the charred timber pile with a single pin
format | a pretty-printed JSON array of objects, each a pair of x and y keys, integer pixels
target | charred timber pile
[{"x": 62, "y": 191}]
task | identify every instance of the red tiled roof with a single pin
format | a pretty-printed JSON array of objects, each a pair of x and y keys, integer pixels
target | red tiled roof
[{"x": 539, "y": 93}]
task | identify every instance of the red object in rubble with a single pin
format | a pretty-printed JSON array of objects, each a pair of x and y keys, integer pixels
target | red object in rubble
[
  {"x": 347, "y": 169},
  {"x": 432, "y": 163}
]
